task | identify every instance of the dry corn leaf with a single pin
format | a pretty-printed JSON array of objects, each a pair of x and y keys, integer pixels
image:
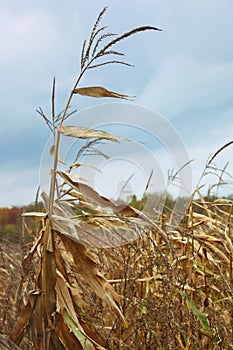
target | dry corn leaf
[
  {"x": 93, "y": 232},
  {"x": 64, "y": 299},
  {"x": 93, "y": 335},
  {"x": 88, "y": 192},
  {"x": 87, "y": 267},
  {"x": 98, "y": 91},
  {"x": 86, "y": 342},
  {"x": 27, "y": 260},
  {"x": 65, "y": 302},
  {"x": 62, "y": 219},
  {"x": 61, "y": 263},
  {"x": 85, "y": 133},
  {"x": 23, "y": 319},
  {"x": 49, "y": 272},
  {"x": 67, "y": 337}
]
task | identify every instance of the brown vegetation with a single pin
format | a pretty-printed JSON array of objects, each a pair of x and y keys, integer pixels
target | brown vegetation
[
  {"x": 174, "y": 285},
  {"x": 104, "y": 276}
]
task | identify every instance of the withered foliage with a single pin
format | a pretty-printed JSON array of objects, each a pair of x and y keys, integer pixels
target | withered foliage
[
  {"x": 158, "y": 291},
  {"x": 102, "y": 275}
]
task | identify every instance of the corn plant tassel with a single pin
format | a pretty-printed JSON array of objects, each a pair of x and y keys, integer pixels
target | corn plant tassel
[{"x": 90, "y": 54}]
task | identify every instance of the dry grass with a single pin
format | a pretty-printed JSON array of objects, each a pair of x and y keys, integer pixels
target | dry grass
[
  {"x": 104, "y": 276},
  {"x": 174, "y": 290},
  {"x": 10, "y": 279}
]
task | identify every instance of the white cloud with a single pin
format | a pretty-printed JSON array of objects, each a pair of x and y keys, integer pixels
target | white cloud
[
  {"x": 22, "y": 36},
  {"x": 183, "y": 83}
]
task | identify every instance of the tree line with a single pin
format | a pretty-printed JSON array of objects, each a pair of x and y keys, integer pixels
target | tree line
[{"x": 11, "y": 222}]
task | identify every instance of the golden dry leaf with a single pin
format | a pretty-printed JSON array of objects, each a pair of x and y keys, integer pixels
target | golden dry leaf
[
  {"x": 64, "y": 299},
  {"x": 23, "y": 319},
  {"x": 103, "y": 230},
  {"x": 26, "y": 263},
  {"x": 49, "y": 272},
  {"x": 85, "y": 133},
  {"x": 98, "y": 91},
  {"x": 65, "y": 302},
  {"x": 88, "y": 192},
  {"x": 87, "y": 265},
  {"x": 88, "y": 268},
  {"x": 67, "y": 337}
]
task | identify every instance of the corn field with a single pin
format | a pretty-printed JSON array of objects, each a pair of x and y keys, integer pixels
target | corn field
[{"x": 101, "y": 275}]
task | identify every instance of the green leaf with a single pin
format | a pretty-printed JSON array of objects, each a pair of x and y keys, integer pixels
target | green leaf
[
  {"x": 86, "y": 344},
  {"x": 201, "y": 316}
]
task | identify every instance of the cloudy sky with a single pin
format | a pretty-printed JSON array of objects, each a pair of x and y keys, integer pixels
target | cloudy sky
[{"x": 185, "y": 73}]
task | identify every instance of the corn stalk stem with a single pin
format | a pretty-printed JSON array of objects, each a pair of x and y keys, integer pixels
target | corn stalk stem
[{"x": 57, "y": 141}]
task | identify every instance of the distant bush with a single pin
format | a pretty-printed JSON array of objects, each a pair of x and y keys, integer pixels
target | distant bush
[
  {"x": 10, "y": 222},
  {"x": 9, "y": 232}
]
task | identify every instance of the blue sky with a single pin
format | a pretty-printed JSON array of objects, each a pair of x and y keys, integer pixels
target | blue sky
[{"x": 185, "y": 73}]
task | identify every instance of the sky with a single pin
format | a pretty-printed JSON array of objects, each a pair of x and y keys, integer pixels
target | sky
[{"x": 182, "y": 79}]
